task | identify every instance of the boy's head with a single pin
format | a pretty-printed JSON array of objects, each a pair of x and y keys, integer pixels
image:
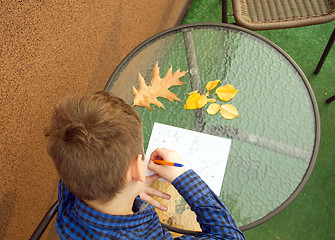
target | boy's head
[{"x": 92, "y": 140}]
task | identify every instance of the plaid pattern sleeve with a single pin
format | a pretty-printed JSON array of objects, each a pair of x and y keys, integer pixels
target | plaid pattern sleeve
[{"x": 212, "y": 215}]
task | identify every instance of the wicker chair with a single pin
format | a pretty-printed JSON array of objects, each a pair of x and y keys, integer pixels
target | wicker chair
[{"x": 278, "y": 14}]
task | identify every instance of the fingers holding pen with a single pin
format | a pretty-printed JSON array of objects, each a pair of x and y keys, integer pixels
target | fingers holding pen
[{"x": 169, "y": 173}]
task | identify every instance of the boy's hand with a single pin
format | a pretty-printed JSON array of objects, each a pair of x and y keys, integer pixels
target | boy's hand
[
  {"x": 169, "y": 173},
  {"x": 144, "y": 195}
]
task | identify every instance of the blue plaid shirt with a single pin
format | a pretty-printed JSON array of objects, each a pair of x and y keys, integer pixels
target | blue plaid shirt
[{"x": 76, "y": 220}]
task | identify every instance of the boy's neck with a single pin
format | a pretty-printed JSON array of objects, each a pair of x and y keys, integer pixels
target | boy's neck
[{"x": 121, "y": 204}]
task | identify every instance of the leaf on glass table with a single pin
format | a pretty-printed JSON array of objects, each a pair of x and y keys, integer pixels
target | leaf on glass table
[
  {"x": 228, "y": 111},
  {"x": 226, "y": 92},
  {"x": 213, "y": 108},
  {"x": 195, "y": 100},
  {"x": 158, "y": 87},
  {"x": 212, "y": 84}
]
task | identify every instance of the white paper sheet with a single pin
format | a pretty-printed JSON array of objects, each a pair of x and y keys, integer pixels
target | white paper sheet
[{"x": 207, "y": 155}]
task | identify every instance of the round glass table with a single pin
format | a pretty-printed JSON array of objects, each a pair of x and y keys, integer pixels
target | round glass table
[{"x": 275, "y": 138}]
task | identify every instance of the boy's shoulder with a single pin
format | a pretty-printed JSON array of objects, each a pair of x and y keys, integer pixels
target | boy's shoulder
[{"x": 75, "y": 218}]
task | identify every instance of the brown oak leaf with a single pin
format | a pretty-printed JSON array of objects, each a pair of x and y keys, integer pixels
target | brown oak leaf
[{"x": 157, "y": 88}]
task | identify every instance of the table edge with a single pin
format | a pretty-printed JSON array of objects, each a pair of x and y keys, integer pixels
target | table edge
[{"x": 309, "y": 170}]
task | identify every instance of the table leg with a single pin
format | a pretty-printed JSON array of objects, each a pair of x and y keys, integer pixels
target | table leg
[
  {"x": 260, "y": 141},
  {"x": 224, "y": 11},
  {"x": 325, "y": 53},
  {"x": 194, "y": 74},
  {"x": 329, "y": 100}
]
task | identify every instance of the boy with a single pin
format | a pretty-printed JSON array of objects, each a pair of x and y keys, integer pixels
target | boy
[{"x": 96, "y": 144}]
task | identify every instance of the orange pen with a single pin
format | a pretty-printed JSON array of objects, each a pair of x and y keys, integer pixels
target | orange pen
[{"x": 167, "y": 163}]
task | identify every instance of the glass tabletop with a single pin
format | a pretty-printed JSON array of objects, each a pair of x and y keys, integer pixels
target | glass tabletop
[{"x": 275, "y": 138}]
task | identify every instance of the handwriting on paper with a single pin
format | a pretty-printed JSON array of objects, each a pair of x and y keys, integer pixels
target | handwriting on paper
[{"x": 207, "y": 155}]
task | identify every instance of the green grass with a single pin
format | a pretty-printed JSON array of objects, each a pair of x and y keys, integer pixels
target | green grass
[{"x": 311, "y": 215}]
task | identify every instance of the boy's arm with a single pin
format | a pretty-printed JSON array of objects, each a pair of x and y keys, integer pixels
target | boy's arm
[{"x": 212, "y": 215}]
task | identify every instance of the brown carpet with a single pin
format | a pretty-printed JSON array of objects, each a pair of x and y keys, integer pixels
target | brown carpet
[{"x": 51, "y": 49}]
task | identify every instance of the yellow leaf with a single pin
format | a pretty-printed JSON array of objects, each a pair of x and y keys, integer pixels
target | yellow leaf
[
  {"x": 228, "y": 111},
  {"x": 212, "y": 84},
  {"x": 158, "y": 88},
  {"x": 212, "y": 100},
  {"x": 192, "y": 100},
  {"x": 195, "y": 100},
  {"x": 202, "y": 101},
  {"x": 226, "y": 92},
  {"x": 213, "y": 108}
]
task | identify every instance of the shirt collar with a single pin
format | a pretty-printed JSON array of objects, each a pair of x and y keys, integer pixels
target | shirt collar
[{"x": 93, "y": 218}]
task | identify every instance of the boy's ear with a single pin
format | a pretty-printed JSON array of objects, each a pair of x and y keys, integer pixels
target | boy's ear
[{"x": 137, "y": 171}]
